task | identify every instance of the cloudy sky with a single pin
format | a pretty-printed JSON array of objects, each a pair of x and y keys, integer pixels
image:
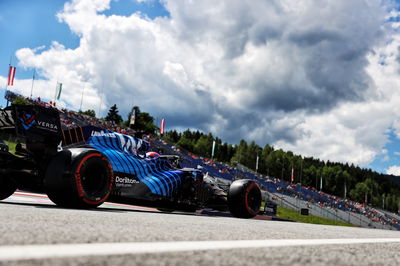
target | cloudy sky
[{"x": 317, "y": 77}]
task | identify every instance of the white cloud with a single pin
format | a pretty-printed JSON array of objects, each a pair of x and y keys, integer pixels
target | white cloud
[
  {"x": 311, "y": 76},
  {"x": 393, "y": 170}
]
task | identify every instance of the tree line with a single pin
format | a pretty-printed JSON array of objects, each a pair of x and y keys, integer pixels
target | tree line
[{"x": 340, "y": 179}]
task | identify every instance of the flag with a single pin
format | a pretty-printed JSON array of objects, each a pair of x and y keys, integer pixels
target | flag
[
  {"x": 292, "y": 175},
  {"x": 162, "y": 126},
  {"x": 213, "y": 149},
  {"x": 59, "y": 89},
  {"x": 133, "y": 117},
  {"x": 320, "y": 184},
  {"x": 11, "y": 75},
  {"x": 257, "y": 163},
  {"x": 33, "y": 81}
]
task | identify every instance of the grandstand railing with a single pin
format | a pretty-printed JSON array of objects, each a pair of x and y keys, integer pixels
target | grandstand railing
[
  {"x": 297, "y": 204},
  {"x": 324, "y": 212}
]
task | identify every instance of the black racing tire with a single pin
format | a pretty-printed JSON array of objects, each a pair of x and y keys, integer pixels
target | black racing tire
[
  {"x": 7, "y": 187},
  {"x": 79, "y": 178},
  {"x": 244, "y": 198}
]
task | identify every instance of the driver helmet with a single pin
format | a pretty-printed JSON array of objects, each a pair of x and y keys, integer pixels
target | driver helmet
[{"x": 152, "y": 155}]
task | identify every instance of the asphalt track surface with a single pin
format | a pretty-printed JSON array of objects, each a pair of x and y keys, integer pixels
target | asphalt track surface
[{"x": 36, "y": 232}]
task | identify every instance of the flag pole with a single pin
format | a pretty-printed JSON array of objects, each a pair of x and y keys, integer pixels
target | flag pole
[
  {"x": 5, "y": 93},
  {"x": 33, "y": 81},
  {"x": 80, "y": 108},
  {"x": 55, "y": 91},
  {"x": 213, "y": 149},
  {"x": 9, "y": 66},
  {"x": 101, "y": 98},
  {"x": 101, "y": 102},
  {"x": 257, "y": 159},
  {"x": 8, "y": 77}
]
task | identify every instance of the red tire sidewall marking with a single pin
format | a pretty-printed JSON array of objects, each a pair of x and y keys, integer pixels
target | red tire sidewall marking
[
  {"x": 78, "y": 182},
  {"x": 246, "y": 195}
]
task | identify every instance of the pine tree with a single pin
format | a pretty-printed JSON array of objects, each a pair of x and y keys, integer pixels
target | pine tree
[
  {"x": 113, "y": 115},
  {"x": 89, "y": 112},
  {"x": 144, "y": 122}
]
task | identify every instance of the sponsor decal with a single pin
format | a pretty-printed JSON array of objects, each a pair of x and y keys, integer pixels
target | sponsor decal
[
  {"x": 47, "y": 125},
  {"x": 125, "y": 181},
  {"x": 103, "y": 134},
  {"x": 28, "y": 121}
]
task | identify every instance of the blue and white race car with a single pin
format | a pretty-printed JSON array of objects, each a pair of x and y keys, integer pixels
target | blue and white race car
[{"x": 82, "y": 167}]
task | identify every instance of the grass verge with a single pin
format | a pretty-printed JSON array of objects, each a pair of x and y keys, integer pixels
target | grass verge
[
  {"x": 11, "y": 146},
  {"x": 292, "y": 215}
]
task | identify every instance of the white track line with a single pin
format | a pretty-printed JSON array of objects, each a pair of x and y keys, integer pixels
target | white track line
[{"x": 27, "y": 252}]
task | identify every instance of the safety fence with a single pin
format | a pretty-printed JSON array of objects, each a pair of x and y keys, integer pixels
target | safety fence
[{"x": 325, "y": 212}]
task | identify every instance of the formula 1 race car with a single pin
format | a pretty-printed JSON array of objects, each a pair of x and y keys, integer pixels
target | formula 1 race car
[{"x": 83, "y": 166}]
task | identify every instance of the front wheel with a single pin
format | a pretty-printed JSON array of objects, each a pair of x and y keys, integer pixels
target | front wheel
[
  {"x": 244, "y": 198},
  {"x": 79, "y": 178}
]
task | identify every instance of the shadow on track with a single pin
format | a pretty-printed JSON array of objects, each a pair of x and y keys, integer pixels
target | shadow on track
[
  {"x": 120, "y": 210},
  {"x": 99, "y": 209}
]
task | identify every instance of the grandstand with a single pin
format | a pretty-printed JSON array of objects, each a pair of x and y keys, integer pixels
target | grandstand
[{"x": 291, "y": 195}]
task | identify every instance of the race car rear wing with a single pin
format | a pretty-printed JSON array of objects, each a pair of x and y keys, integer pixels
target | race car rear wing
[{"x": 33, "y": 123}]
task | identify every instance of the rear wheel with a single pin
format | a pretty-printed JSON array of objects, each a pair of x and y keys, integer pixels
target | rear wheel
[
  {"x": 7, "y": 187},
  {"x": 79, "y": 178},
  {"x": 244, "y": 198}
]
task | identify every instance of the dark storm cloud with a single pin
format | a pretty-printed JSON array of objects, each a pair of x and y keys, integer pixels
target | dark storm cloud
[
  {"x": 243, "y": 123},
  {"x": 314, "y": 37},
  {"x": 332, "y": 57},
  {"x": 281, "y": 57}
]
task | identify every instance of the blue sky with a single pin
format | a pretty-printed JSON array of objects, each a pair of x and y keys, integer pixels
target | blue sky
[
  {"x": 390, "y": 157},
  {"x": 27, "y": 23},
  {"x": 219, "y": 44}
]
